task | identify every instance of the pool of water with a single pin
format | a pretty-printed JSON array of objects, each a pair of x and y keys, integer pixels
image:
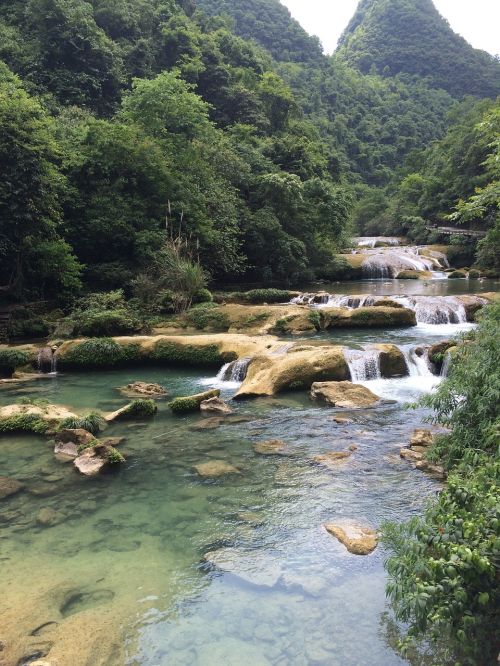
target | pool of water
[
  {"x": 444, "y": 287},
  {"x": 122, "y": 579}
]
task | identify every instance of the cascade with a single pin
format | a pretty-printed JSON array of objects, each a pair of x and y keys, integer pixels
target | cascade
[
  {"x": 47, "y": 361},
  {"x": 445, "y": 368},
  {"x": 436, "y": 309},
  {"x": 417, "y": 361},
  {"x": 236, "y": 371},
  {"x": 363, "y": 364}
]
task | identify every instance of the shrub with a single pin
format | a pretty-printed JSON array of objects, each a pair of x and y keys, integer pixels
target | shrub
[
  {"x": 338, "y": 268},
  {"x": 177, "y": 354},
  {"x": 104, "y": 314},
  {"x": 203, "y": 296},
  {"x": 29, "y": 423},
  {"x": 92, "y": 423},
  {"x": 207, "y": 315},
  {"x": 267, "y": 296},
  {"x": 315, "y": 319},
  {"x": 10, "y": 359},
  {"x": 474, "y": 274},
  {"x": 26, "y": 324},
  {"x": 99, "y": 353}
]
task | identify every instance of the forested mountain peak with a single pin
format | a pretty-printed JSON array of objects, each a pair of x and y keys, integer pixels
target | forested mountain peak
[
  {"x": 269, "y": 23},
  {"x": 392, "y": 36}
]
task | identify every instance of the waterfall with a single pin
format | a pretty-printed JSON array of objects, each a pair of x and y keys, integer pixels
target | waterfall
[
  {"x": 371, "y": 241},
  {"x": 363, "y": 364},
  {"x": 417, "y": 361},
  {"x": 436, "y": 309},
  {"x": 47, "y": 361},
  {"x": 236, "y": 371},
  {"x": 351, "y": 302},
  {"x": 445, "y": 368}
]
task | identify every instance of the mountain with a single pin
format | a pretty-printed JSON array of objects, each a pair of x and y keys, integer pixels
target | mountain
[
  {"x": 270, "y": 24},
  {"x": 389, "y": 37}
]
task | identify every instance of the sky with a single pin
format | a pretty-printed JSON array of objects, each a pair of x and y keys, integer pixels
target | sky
[{"x": 476, "y": 20}]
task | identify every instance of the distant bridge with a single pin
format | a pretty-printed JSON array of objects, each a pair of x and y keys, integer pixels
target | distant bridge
[{"x": 453, "y": 231}]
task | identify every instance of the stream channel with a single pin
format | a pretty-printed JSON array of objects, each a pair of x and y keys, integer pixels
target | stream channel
[{"x": 122, "y": 579}]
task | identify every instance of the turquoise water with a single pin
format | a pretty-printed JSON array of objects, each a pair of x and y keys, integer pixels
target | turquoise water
[{"x": 126, "y": 563}]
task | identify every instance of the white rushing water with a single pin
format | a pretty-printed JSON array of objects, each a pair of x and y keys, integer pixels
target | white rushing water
[
  {"x": 231, "y": 375},
  {"x": 363, "y": 364},
  {"x": 373, "y": 241}
]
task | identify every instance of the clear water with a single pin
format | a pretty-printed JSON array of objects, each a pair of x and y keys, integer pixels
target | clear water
[
  {"x": 443, "y": 287},
  {"x": 121, "y": 580}
]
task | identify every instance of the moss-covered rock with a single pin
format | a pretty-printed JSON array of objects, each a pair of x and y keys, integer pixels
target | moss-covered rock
[
  {"x": 12, "y": 358},
  {"x": 438, "y": 351},
  {"x": 191, "y": 403},
  {"x": 36, "y": 419},
  {"x": 457, "y": 275},
  {"x": 98, "y": 353},
  {"x": 392, "y": 361},
  {"x": 369, "y": 317},
  {"x": 295, "y": 370},
  {"x": 172, "y": 353},
  {"x": 137, "y": 409}
]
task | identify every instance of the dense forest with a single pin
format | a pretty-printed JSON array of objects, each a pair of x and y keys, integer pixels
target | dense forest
[{"x": 224, "y": 125}]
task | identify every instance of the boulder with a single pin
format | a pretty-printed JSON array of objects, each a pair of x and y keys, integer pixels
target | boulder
[
  {"x": 368, "y": 317},
  {"x": 409, "y": 454},
  {"x": 18, "y": 417},
  {"x": 436, "y": 471},
  {"x": 49, "y": 517},
  {"x": 137, "y": 409},
  {"x": 215, "y": 468},
  {"x": 143, "y": 389},
  {"x": 457, "y": 274},
  {"x": 66, "y": 450},
  {"x": 94, "y": 459},
  {"x": 437, "y": 351},
  {"x": 298, "y": 368},
  {"x": 192, "y": 403},
  {"x": 357, "y": 539},
  {"x": 9, "y": 487},
  {"x": 472, "y": 305},
  {"x": 77, "y": 436},
  {"x": 215, "y": 406},
  {"x": 332, "y": 459},
  {"x": 422, "y": 437},
  {"x": 392, "y": 361},
  {"x": 344, "y": 394},
  {"x": 387, "y": 303},
  {"x": 270, "y": 447}
]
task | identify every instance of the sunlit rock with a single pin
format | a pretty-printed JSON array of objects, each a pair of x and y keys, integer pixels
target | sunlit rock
[
  {"x": 344, "y": 394},
  {"x": 358, "y": 540}
]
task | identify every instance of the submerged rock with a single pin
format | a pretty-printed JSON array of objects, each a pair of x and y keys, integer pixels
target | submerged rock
[
  {"x": 215, "y": 406},
  {"x": 49, "y": 517},
  {"x": 252, "y": 567},
  {"x": 342, "y": 420},
  {"x": 357, "y": 539},
  {"x": 297, "y": 369},
  {"x": 215, "y": 468},
  {"x": 9, "y": 487},
  {"x": 333, "y": 458},
  {"x": 270, "y": 447},
  {"x": 141, "y": 389},
  {"x": 344, "y": 394}
]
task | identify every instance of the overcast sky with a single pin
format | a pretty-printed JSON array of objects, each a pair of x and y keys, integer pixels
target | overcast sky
[{"x": 476, "y": 20}]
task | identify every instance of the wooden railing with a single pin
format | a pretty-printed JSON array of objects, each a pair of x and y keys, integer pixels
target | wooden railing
[{"x": 454, "y": 231}]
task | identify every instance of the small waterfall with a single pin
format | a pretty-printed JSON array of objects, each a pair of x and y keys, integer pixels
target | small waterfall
[
  {"x": 417, "y": 361},
  {"x": 47, "y": 361},
  {"x": 236, "y": 371},
  {"x": 352, "y": 302},
  {"x": 445, "y": 368},
  {"x": 436, "y": 309},
  {"x": 371, "y": 241},
  {"x": 387, "y": 263},
  {"x": 363, "y": 364}
]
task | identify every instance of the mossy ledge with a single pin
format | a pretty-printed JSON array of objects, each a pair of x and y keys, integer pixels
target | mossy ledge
[{"x": 191, "y": 403}]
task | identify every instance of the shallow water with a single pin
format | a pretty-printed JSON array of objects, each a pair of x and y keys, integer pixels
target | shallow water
[
  {"x": 122, "y": 579},
  {"x": 444, "y": 287}
]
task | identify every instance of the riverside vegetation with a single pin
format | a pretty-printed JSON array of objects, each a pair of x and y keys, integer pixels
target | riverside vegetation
[{"x": 179, "y": 178}]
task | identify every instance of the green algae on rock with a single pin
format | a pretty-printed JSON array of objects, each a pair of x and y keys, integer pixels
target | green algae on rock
[{"x": 192, "y": 403}]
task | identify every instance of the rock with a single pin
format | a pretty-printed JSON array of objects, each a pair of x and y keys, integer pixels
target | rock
[
  {"x": 192, "y": 403},
  {"x": 252, "y": 567},
  {"x": 45, "y": 359},
  {"x": 368, "y": 317},
  {"x": 250, "y": 517},
  {"x": 392, "y": 361},
  {"x": 357, "y": 539},
  {"x": 408, "y": 454},
  {"x": 68, "y": 441},
  {"x": 344, "y": 394},
  {"x": 49, "y": 517},
  {"x": 296, "y": 369},
  {"x": 422, "y": 437},
  {"x": 387, "y": 303},
  {"x": 211, "y": 423},
  {"x": 270, "y": 447},
  {"x": 437, "y": 352},
  {"x": 66, "y": 450},
  {"x": 413, "y": 275},
  {"x": 353, "y": 447},
  {"x": 112, "y": 441},
  {"x": 215, "y": 468},
  {"x": 215, "y": 406},
  {"x": 51, "y": 415},
  {"x": 436, "y": 471},
  {"x": 342, "y": 420},
  {"x": 89, "y": 464},
  {"x": 137, "y": 409},
  {"x": 457, "y": 274},
  {"x": 332, "y": 459},
  {"x": 9, "y": 487},
  {"x": 143, "y": 389}
]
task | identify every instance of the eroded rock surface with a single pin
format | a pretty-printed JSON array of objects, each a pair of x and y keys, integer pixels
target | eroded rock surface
[
  {"x": 344, "y": 394},
  {"x": 143, "y": 390},
  {"x": 333, "y": 459},
  {"x": 358, "y": 540},
  {"x": 9, "y": 487},
  {"x": 270, "y": 447},
  {"x": 215, "y": 405},
  {"x": 215, "y": 469}
]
